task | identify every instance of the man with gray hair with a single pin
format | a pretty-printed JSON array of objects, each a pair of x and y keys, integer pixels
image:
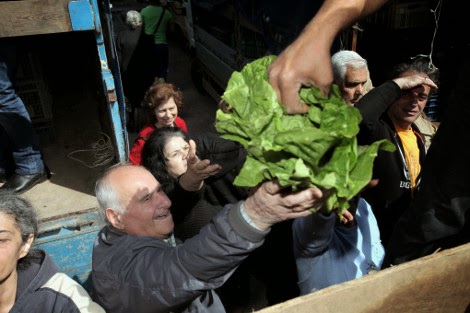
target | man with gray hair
[
  {"x": 132, "y": 55},
  {"x": 138, "y": 265},
  {"x": 323, "y": 242},
  {"x": 127, "y": 40},
  {"x": 351, "y": 74}
]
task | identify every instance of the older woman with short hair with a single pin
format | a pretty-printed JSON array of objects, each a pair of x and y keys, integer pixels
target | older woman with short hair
[{"x": 164, "y": 102}]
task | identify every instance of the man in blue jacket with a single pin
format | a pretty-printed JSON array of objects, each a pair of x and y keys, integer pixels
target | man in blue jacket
[{"x": 329, "y": 251}]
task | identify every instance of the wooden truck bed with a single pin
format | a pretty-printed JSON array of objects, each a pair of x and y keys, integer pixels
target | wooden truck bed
[{"x": 436, "y": 283}]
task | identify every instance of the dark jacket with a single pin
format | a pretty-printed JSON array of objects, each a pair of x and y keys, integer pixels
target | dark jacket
[
  {"x": 229, "y": 154},
  {"x": 218, "y": 190},
  {"x": 329, "y": 253},
  {"x": 182, "y": 201},
  {"x": 145, "y": 274},
  {"x": 41, "y": 289},
  {"x": 393, "y": 194},
  {"x": 439, "y": 217}
]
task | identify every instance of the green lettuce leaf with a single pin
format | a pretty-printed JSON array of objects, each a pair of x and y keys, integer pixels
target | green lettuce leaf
[{"x": 315, "y": 149}]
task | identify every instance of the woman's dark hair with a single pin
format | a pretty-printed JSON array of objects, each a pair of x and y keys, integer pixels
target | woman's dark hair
[
  {"x": 152, "y": 154},
  {"x": 21, "y": 212},
  {"x": 160, "y": 93},
  {"x": 24, "y": 216}
]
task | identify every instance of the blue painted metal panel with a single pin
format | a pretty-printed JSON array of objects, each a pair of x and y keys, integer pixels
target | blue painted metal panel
[
  {"x": 69, "y": 241},
  {"x": 85, "y": 15},
  {"x": 81, "y": 15},
  {"x": 109, "y": 87},
  {"x": 114, "y": 66}
]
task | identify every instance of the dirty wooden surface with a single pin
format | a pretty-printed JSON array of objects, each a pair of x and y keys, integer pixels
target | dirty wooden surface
[
  {"x": 33, "y": 17},
  {"x": 436, "y": 283}
]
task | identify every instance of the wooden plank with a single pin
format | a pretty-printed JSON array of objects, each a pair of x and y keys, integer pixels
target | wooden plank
[
  {"x": 33, "y": 17},
  {"x": 436, "y": 283}
]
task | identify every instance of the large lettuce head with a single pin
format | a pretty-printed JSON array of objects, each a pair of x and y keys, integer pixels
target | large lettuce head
[{"x": 315, "y": 149}]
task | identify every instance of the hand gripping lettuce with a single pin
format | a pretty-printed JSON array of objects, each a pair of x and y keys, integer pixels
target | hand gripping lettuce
[{"x": 314, "y": 149}]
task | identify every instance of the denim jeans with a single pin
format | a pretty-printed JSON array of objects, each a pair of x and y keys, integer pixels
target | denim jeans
[{"x": 19, "y": 146}]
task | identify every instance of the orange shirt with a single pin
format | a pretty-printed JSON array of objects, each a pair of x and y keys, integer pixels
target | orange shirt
[{"x": 411, "y": 153}]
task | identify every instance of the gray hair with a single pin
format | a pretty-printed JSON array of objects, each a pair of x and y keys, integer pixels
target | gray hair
[
  {"x": 105, "y": 193},
  {"x": 21, "y": 212},
  {"x": 133, "y": 19},
  {"x": 344, "y": 58}
]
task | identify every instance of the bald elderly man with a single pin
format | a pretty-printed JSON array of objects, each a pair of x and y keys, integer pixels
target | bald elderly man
[{"x": 138, "y": 265}]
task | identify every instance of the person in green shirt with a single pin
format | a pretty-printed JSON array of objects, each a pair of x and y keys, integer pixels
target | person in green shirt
[{"x": 157, "y": 19}]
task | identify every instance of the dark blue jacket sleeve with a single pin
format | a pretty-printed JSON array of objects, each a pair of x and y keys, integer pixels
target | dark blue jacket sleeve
[{"x": 312, "y": 234}]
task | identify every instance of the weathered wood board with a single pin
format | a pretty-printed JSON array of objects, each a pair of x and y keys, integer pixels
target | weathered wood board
[
  {"x": 436, "y": 283},
  {"x": 34, "y": 17}
]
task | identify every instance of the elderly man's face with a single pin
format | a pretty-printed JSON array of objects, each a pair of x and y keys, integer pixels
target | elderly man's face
[
  {"x": 352, "y": 88},
  {"x": 147, "y": 206}
]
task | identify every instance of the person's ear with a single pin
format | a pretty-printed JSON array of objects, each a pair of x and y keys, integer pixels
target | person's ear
[
  {"x": 26, "y": 246},
  {"x": 114, "y": 218}
]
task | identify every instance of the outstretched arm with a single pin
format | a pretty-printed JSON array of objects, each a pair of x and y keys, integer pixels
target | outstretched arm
[
  {"x": 306, "y": 62},
  {"x": 198, "y": 170},
  {"x": 269, "y": 204}
]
